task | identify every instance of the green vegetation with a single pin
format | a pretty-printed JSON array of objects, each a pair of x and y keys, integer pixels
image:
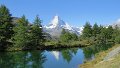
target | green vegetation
[
  {"x": 99, "y": 34},
  {"x": 27, "y": 36},
  {"x": 21, "y": 59},
  {"x": 67, "y": 39},
  {"x": 99, "y": 63},
  {"x": 37, "y": 33},
  {"x": 38, "y": 58},
  {"x": 66, "y": 36},
  {"x": 20, "y": 35},
  {"x": 5, "y": 27},
  {"x": 23, "y": 35},
  {"x": 102, "y": 41}
]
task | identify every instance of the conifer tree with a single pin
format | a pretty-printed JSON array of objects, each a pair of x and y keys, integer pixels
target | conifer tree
[
  {"x": 65, "y": 36},
  {"x": 109, "y": 32},
  {"x": 74, "y": 36},
  {"x": 5, "y": 26},
  {"x": 87, "y": 31},
  {"x": 37, "y": 32},
  {"x": 96, "y": 30},
  {"x": 21, "y": 35}
]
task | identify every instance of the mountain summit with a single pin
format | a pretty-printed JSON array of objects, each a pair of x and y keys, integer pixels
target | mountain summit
[{"x": 57, "y": 24}]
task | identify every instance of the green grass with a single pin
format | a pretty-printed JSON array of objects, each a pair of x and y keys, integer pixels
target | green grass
[
  {"x": 99, "y": 63},
  {"x": 111, "y": 63},
  {"x": 53, "y": 44},
  {"x": 70, "y": 43}
]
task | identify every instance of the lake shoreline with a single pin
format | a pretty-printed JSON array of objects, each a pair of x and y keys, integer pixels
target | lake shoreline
[
  {"x": 47, "y": 47},
  {"x": 99, "y": 62}
]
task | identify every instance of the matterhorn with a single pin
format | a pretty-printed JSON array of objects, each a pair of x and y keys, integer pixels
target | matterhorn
[{"x": 57, "y": 24}]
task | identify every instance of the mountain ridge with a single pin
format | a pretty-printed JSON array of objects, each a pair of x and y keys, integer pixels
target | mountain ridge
[{"x": 57, "y": 24}]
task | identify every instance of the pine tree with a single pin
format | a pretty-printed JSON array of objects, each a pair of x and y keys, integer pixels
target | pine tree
[
  {"x": 5, "y": 26},
  {"x": 106, "y": 34},
  {"x": 116, "y": 34},
  {"x": 74, "y": 36},
  {"x": 66, "y": 37},
  {"x": 96, "y": 30},
  {"x": 21, "y": 30},
  {"x": 87, "y": 31},
  {"x": 109, "y": 32},
  {"x": 37, "y": 32}
]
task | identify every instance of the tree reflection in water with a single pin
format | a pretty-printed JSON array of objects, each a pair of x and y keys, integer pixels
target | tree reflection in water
[
  {"x": 90, "y": 51},
  {"x": 22, "y": 59},
  {"x": 68, "y": 54}
]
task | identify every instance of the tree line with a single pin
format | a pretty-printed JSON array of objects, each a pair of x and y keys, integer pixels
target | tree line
[
  {"x": 21, "y": 34},
  {"x": 91, "y": 35},
  {"x": 66, "y": 36},
  {"x": 98, "y": 34}
]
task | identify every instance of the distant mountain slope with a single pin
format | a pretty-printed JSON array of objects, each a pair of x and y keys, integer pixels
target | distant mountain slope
[
  {"x": 57, "y": 24},
  {"x": 55, "y": 27}
]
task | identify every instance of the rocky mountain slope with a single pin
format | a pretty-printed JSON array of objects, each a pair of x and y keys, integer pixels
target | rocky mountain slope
[{"x": 57, "y": 24}]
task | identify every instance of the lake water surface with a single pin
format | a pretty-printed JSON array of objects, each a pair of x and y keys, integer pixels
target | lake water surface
[{"x": 62, "y": 58}]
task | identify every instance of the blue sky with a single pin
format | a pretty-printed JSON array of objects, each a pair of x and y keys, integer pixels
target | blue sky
[{"x": 75, "y": 12}]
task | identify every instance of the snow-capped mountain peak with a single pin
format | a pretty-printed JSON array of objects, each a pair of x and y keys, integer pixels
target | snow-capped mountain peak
[
  {"x": 57, "y": 24},
  {"x": 67, "y": 26}
]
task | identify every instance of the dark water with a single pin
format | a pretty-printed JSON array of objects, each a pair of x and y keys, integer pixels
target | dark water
[
  {"x": 65, "y": 58},
  {"x": 60, "y": 58}
]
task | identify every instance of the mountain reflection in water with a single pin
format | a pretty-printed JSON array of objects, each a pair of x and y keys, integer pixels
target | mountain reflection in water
[{"x": 60, "y": 58}]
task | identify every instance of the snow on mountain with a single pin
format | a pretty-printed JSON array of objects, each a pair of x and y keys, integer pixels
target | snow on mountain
[
  {"x": 57, "y": 24},
  {"x": 78, "y": 29}
]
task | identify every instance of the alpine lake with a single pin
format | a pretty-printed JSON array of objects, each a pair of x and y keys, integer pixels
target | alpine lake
[{"x": 56, "y": 58}]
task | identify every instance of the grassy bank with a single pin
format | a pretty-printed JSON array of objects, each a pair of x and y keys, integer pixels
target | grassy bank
[
  {"x": 50, "y": 45},
  {"x": 99, "y": 63},
  {"x": 71, "y": 43}
]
